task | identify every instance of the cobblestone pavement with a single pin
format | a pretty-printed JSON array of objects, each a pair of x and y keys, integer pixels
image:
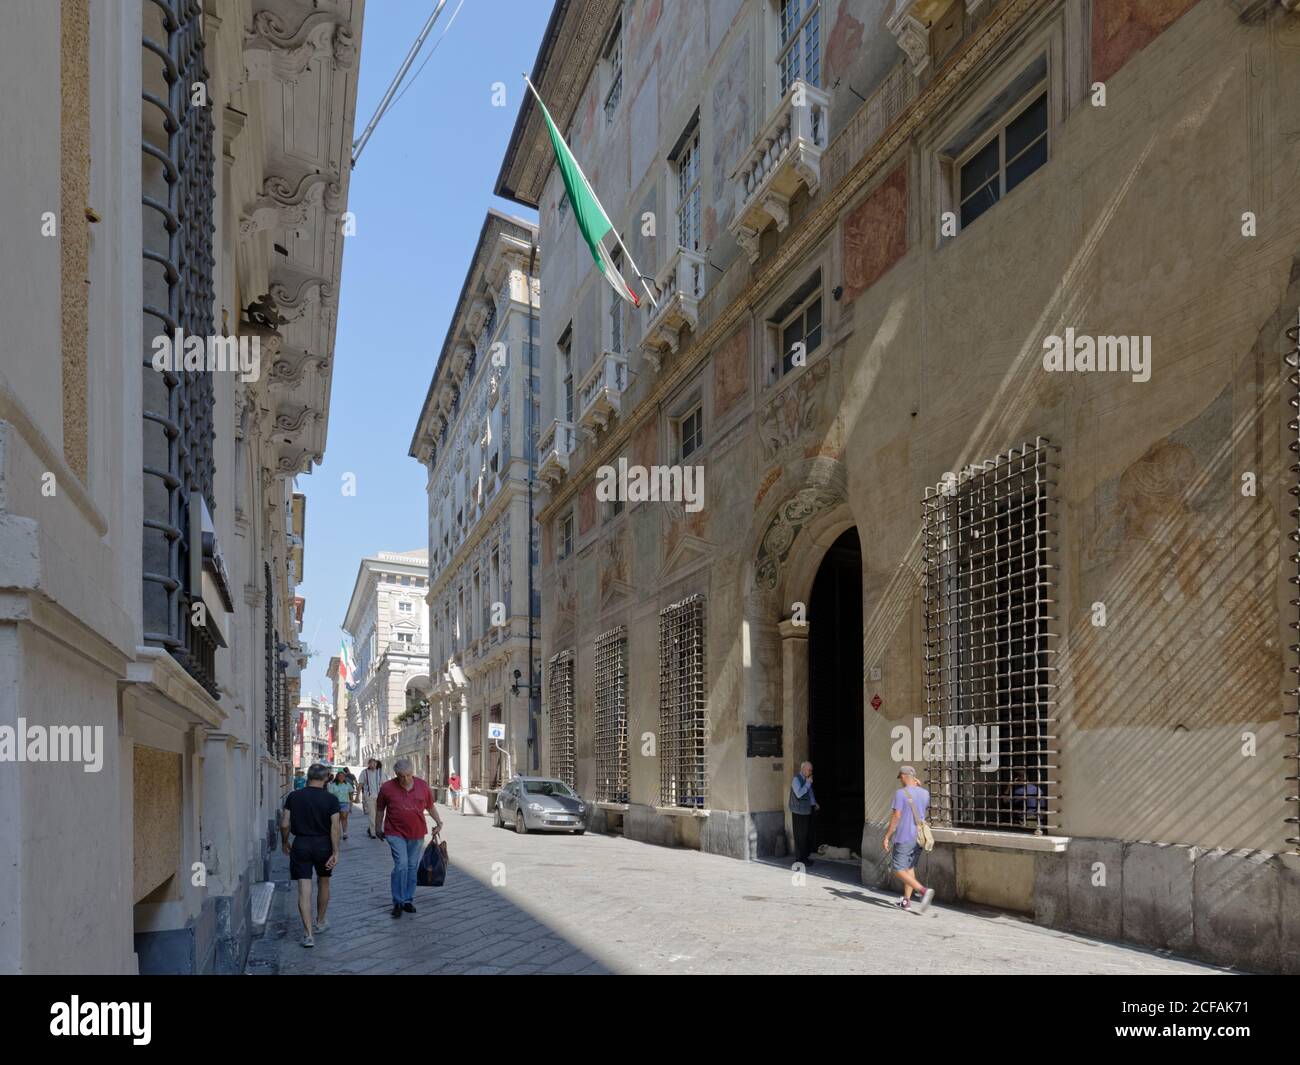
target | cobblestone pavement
[{"x": 602, "y": 904}]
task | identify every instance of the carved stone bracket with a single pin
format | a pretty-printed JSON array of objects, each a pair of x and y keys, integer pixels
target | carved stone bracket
[
  {"x": 292, "y": 304},
  {"x": 913, "y": 37},
  {"x": 291, "y": 367},
  {"x": 273, "y": 50}
]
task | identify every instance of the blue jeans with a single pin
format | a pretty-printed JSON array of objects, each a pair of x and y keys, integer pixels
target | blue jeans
[{"x": 406, "y": 862}]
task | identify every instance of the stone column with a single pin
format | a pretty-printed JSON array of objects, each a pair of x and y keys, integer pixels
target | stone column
[
  {"x": 794, "y": 707},
  {"x": 463, "y": 748}
]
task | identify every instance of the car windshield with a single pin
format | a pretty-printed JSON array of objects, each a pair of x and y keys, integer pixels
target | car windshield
[{"x": 547, "y": 787}]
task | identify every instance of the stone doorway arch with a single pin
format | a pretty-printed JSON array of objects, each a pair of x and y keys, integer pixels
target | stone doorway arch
[{"x": 809, "y": 515}]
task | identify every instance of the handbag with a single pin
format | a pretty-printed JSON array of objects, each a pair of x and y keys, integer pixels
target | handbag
[
  {"x": 923, "y": 834},
  {"x": 432, "y": 871}
]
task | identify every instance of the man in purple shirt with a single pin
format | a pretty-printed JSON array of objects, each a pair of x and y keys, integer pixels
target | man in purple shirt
[{"x": 911, "y": 802}]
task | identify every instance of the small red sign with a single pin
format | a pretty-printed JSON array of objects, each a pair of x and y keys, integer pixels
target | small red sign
[{"x": 875, "y": 702}]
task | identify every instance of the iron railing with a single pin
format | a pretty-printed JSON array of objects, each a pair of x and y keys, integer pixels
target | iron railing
[
  {"x": 611, "y": 716},
  {"x": 990, "y": 579},
  {"x": 563, "y": 746},
  {"x": 683, "y": 706},
  {"x": 177, "y": 183},
  {"x": 1292, "y": 359}
]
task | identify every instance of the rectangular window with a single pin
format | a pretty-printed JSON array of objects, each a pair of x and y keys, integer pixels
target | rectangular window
[
  {"x": 614, "y": 71},
  {"x": 476, "y": 751},
  {"x": 688, "y": 193},
  {"x": 566, "y": 535},
  {"x": 798, "y": 327},
  {"x": 683, "y": 707},
  {"x": 566, "y": 373},
  {"x": 690, "y": 433},
  {"x": 989, "y": 565},
  {"x": 799, "y": 46},
  {"x": 563, "y": 749},
  {"x": 615, "y": 308},
  {"x": 1007, "y": 155},
  {"x": 405, "y": 606},
  {"x": 405, "y": 637},
  {"x": 610, "y": 716}
]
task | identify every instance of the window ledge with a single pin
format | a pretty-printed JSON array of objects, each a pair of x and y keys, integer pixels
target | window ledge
[
  {"x": 616, "y": 806},
  {"x": 1013, "y": 841},
  {"x": 681, "y": 811}
]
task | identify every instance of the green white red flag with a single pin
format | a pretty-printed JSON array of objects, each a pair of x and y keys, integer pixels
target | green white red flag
[{"x": 593, "y": 222}]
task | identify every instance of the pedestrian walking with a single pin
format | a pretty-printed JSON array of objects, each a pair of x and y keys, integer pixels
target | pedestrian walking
[
  {"x": 399, "y": 818},
  {"x": 453, "y": 786},
  {"x": 372, "y": 779},
  {"x": 311, "y": 816},
  {"x": 911, "y": 805},
  {"x": 342, "y": 790},
  {"x": 802, "y": 804}
]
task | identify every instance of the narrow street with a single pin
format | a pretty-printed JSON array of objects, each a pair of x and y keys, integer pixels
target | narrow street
[{"x": 601, "y": 904}]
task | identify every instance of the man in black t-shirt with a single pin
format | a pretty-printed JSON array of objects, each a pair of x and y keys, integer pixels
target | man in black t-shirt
[{"x": 311, "y": 814}]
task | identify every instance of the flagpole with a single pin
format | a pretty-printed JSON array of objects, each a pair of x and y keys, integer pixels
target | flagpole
[{"x": 632, "y": 262}]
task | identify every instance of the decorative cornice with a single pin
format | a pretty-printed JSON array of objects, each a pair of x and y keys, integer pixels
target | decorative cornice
[{"x": 821, "y": 220}]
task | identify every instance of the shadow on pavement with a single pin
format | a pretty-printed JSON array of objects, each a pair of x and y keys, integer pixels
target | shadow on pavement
[{"x": 464, "y": 927}]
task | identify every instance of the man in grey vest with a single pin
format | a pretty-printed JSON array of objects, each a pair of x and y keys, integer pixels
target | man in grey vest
[{"x": 802, "y": 804}]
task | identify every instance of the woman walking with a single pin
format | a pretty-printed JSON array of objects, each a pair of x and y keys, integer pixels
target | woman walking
[{"x": 342, "y": 790}]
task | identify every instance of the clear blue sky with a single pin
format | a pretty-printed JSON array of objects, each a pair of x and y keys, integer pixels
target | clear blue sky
[{"x": 419, "y": 193}]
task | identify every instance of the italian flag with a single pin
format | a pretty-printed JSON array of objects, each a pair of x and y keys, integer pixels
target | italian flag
[
  {"x": 345, "y": 663},
  {"x": 592, "y": 220}
]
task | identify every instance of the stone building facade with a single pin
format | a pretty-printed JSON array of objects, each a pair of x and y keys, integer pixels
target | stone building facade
[
  {"x": 388, "y": 622},
  {"x": 150, "y": 534},
  {"x": 474, "y": 436},
  {"x": 927, "y": 515}
]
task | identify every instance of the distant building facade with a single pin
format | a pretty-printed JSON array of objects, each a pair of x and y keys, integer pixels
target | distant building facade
[
  {"x": 891, "y": 243},
  {"x": 388, "y": 621},
  {"x": 476, "y": 437}
]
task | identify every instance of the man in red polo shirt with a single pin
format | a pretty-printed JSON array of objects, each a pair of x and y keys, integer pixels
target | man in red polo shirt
[{"x": 399, "y": 818}]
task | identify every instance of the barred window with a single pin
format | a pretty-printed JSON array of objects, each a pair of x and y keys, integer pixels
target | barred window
[
  {"x": 989, "y": 560},
  {"x": 611, "y": 716},
  {"x": 178, "y": 404},
  {"x": 683, "y": 709},
  {"x": 563, "y": 749}
]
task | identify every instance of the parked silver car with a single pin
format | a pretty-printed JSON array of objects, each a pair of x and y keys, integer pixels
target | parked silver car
[{"x": 540, "y": 803}]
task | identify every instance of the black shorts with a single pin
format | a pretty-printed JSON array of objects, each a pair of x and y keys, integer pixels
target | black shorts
[{"x": 308, "y": 853}]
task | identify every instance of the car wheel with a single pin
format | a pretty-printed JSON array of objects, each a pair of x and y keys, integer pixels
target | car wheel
[
  {"x": 579, "y": 831},
  {"x": 520, "y": 827},
  {"x": 496, "y": 820}
]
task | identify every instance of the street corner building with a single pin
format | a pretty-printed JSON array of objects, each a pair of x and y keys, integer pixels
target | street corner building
[
  {"x": 477, "y": 437},
  {"x": 974, "y": 316},
  {"x": 174, "y": 171}
]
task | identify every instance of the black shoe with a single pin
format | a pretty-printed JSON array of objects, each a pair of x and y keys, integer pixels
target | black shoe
[
  {"x": 408, "y": 907},
  {"x": 397, "y": 910}
]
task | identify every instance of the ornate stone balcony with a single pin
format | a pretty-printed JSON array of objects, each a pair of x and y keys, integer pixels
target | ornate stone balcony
[
  {"x": 785, "y": 157},
  {"x": 680, "y": 286},
  {"x": 600, "y": 393},
  {"x": 555, "y": 447}
]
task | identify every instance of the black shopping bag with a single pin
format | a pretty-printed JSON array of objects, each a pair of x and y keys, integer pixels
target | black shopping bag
[{"x": 433, "y": 865}]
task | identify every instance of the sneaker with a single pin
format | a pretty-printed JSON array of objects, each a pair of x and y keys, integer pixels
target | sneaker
[
  {"x": 409, "y": 907},
  {"x": 322, "y": 927},
  {"x": 926, "y": 899},
  {"x": 307, "y": 941},
  {"x": 397, "y": 909},
  {"x": 904, "y": 904}
]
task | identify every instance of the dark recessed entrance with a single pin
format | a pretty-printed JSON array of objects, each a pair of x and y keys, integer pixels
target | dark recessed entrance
[{"x": 835, "y": 693}]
